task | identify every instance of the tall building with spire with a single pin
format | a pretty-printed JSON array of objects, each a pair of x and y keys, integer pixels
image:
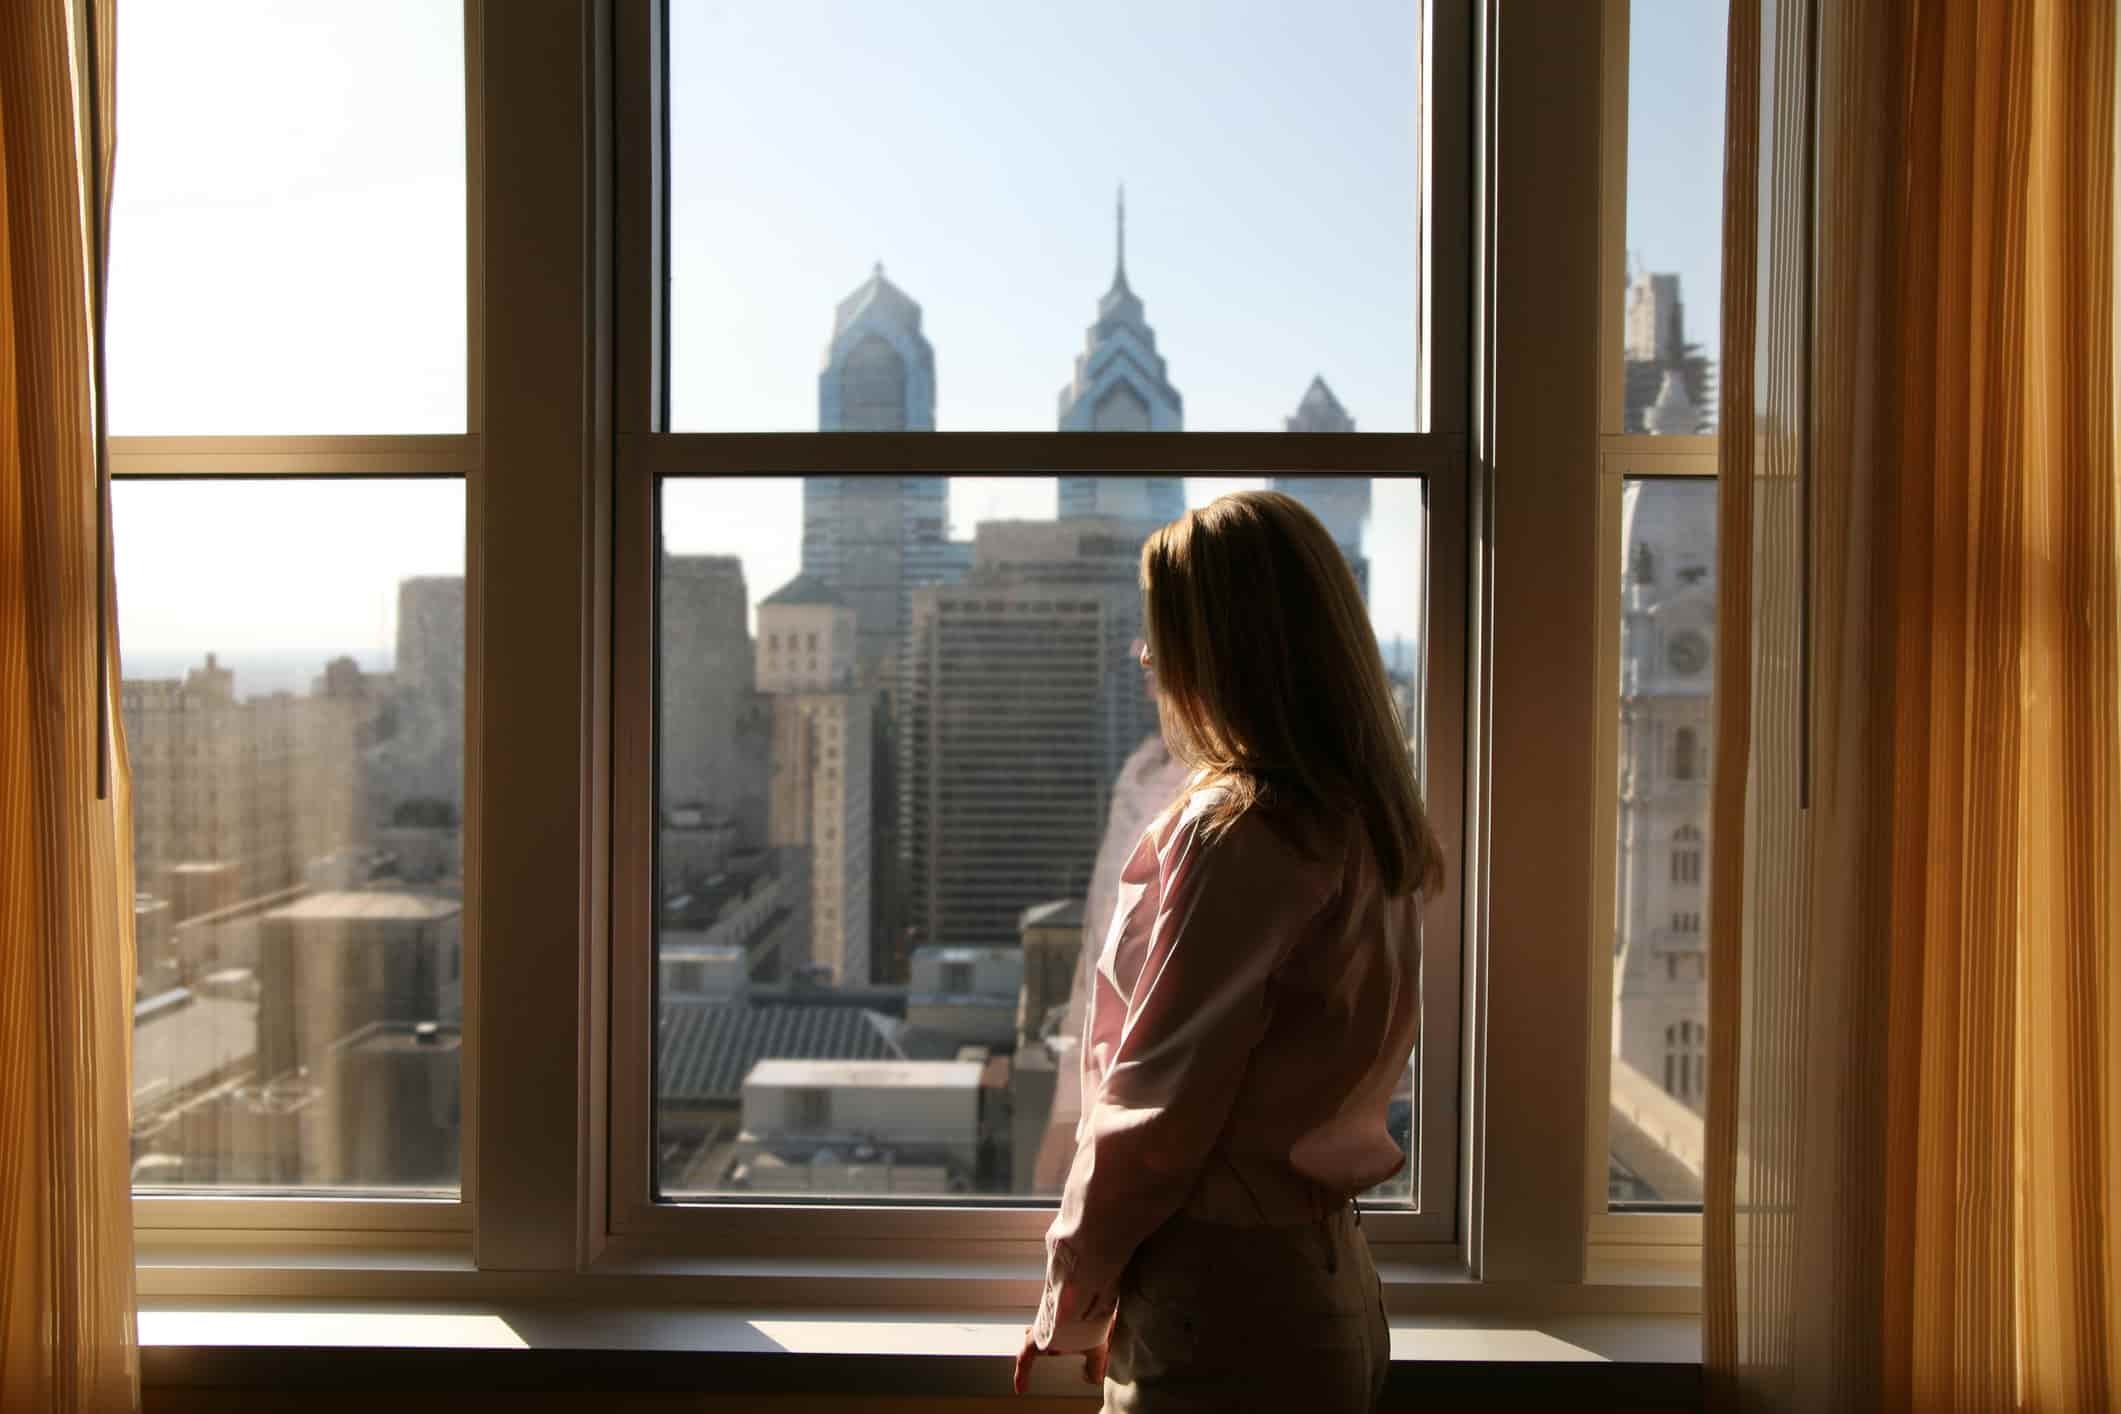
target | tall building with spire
[
  {"x": 1341, "y": 502},
  {"x": 871, "y": 539},
  {"x": 1121, "y": 385}
]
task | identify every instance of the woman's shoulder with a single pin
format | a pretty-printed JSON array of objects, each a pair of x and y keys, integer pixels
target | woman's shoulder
[{"x": 1282, "y": 845}]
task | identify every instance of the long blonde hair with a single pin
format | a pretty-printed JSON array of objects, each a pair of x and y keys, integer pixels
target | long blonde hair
[{"x": 1268, "y": 679}]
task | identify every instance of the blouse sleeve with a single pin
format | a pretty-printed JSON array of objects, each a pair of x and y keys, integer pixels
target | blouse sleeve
[{"x": 1227, "y": 916}]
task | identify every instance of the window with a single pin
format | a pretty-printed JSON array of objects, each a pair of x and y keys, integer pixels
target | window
[
  {"x": 991, "y": 733},
  {"x": 294, "y": 646},
  {"x": 1683, "y": 750},
  {"x": 974, "y": 254},
  {"x": 971, "y": 600},
  {"x": 1686, "y": 1060},
  {"x": 1660, "y": 253},
  {"x": 1320, "y": 341},
  {"x": 1674, "y": 214},
  {"x": 1686, "y": 855},
  {"x": 810, "y": 1111},
  {"x": 302, "y": 276}
]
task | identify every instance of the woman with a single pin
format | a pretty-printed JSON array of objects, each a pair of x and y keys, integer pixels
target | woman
[{"x": 1256, "y": 997}]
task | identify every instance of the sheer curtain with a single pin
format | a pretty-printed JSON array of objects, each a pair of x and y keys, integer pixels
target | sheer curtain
[
  {"x": 1914, "y": 1185},
  {"x": 66, "y": 961}
]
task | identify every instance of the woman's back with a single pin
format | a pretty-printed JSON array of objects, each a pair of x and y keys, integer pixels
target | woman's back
[{"x": 1307, "y": 1111}]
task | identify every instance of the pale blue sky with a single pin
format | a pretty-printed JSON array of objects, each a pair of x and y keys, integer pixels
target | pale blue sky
[{"x": 288, "y": 245}]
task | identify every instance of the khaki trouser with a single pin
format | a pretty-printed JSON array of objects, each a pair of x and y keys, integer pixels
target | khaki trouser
[{"x": 1218, "y": 1317}]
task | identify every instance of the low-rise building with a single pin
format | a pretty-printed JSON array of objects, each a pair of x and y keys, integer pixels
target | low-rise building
[{"x": 966, "y": 996}]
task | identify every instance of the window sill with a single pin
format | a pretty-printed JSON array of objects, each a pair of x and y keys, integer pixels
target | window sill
[
  {"x": 413, "y": 1276},
  {"x": 1646, "y": 1361}
]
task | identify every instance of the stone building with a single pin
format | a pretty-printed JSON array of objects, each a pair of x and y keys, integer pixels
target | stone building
[
  {"x": 252, "y": 787},
  {"x": 819, "y": 789},
  {"x": 1667, "y": 647}
]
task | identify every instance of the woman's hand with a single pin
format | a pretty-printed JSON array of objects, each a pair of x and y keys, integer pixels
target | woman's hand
[{"x": 1094, "y": 1360}]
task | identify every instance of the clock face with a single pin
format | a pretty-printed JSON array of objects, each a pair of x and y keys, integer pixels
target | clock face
[{"x": 1688, "y": 653}]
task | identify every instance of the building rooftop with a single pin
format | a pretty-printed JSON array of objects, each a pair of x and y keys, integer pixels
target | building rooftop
[
  {"x": 403, "y": 1037},
  {"x": 707, "y": 1048},
  {"x": 869, "y": 1074},
  {"x": 673, "y": 945},
  {"x": 1061, "y": 913},
  {"x": 377, "y": 905},
  {"x": 944, "y": 953},
  {"x": 1319, "y": 411},
  {"x": 891, "y": 304},
  {"x": 805, "y": 589}
]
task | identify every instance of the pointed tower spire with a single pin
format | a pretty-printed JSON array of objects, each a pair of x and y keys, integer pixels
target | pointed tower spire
[{"x": 1120, "y": 275}]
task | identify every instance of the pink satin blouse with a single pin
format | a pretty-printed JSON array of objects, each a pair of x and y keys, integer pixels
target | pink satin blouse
[{"x": 1254, "y": 1004}]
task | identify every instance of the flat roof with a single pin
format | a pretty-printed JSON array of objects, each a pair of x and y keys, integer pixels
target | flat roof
[
  {"x": 870, "y": 1075},
  {"x": 379, "y": 904},
  {"x": 942, "y": 952}
]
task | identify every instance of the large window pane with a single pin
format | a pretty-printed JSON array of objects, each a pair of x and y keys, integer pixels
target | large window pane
[
  {"x": 1676, "y": 65},
  {"x": 1271, "y": 157},
  {"x": 904, "y": 747},
  {"x": 293, "y": 699},
  {"x": 1667, "y": 605},
  {"x": 287, "y": 238}
]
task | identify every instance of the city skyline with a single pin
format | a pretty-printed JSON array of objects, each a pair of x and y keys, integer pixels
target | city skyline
[{"x": 218, "y": 326}]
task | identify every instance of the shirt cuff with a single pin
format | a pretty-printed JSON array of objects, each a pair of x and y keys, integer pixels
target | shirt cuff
[
  {"x": 1059, "y": 1334},
  {"x": 1058, "y": 1337}
]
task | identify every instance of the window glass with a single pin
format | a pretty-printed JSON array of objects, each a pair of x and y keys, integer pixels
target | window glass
[
  {"x": 287, "y": 228},
  {"x": 882, "y": 865},
  {"x": 904, "y": 215},
  {"x": 1676, "y": 63},
  {"x": 1667, "y": 606},
  {"x": 293, "y": 708}
]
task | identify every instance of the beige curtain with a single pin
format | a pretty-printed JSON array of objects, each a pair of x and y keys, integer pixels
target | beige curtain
[
  {"x": 66, "y": 948},
  {"x": 1914, "y": 1182}
]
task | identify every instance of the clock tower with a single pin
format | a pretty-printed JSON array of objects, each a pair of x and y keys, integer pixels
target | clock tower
[{"x": 1667, "y": 652}]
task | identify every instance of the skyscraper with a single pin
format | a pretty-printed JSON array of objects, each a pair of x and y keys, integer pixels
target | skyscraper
[
  {"x": 1121, "y": 385},
  {"x": 712, "y": 752},
  {"x": 1024, "y": 702},
  {"x": 421, "y": 763},
  {"x": 871, "y": 539},
  {"x": 1341, "y": 502}
]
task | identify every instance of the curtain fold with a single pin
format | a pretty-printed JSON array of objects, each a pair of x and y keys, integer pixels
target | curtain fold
[
  {"x": 1914, "y": 1181},
  {"x": 67, "y": 1327}
]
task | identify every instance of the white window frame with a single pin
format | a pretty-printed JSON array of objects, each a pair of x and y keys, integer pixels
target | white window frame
[
  {"x": 1659, "y": 1239},
  {"x": 641, "y": 1229},
  {"x": 174, "y": 1222}
]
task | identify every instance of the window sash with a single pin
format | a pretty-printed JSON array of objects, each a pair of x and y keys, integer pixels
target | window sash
[
  {"x": 639, "y": 1226},
  {"x": 158, "y": 1220}
]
